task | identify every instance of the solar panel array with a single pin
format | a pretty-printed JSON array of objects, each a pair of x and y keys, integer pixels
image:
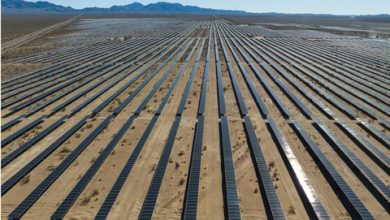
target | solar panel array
[
  {"x": 14, "y": 154},
  {"x": 154, "y": 188},
  {"x": 356, "y": 161},
  {"x": 104, "y": 65},
  {"x": 375, "y": 130},
  {"x": 352, "y": 203},
  {"x": 192, "y": 190},
  {"x": 369, "y": 146},
  {"x": 18, "y": 212},
  {"x": 21, "y": 131},
  {"x": 82, "y": 183},
  {"x": 271, "y": 200},
  {"x": 7, "y": 185},
  {"x": 298, "y": 174},
  {"x": 229, "y": 177}
]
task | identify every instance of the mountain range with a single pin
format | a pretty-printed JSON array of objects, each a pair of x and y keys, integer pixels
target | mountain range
[
  {"x": 14, "y": 6},
  {"x": 20, "y": 6}
]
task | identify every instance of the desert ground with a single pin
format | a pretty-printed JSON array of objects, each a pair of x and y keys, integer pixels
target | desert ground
[{"x": 197, "y": 117}]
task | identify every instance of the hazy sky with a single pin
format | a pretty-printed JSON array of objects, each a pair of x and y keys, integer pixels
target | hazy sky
[{"x": 340, "y": 7}]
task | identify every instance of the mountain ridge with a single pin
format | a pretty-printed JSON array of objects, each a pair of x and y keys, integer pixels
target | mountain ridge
[
  {"x": 160, "y": 7},
  {"x": 21, "y": 6}
]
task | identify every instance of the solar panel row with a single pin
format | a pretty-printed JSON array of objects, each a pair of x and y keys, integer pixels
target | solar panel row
[
  {"x": 374, "y": 150},
  {"x": 82, "y": 183},
  {"x": 354, "y": 159},
  {"x": 316, "y": 209},
  {"x": 21, "y": 131},
  {"x": 12, "y": 122},
  {"x": 154, "y": 188},
  {"x": 22, "y": 208},
  {"x": 192, "y": 190},
  {"x": 7, "y": 159},
  {"x": 385, "y": 122},
  {"x": 271, "y": 200},
  {"x": 349, "y": 199},
  {"x": 336, "y": 102},
  {"x": 289, "y": 93},
  {"x": 221, "y": 98},
  {"x": 229, "y": 178},
  {"x": 375, "y": 130},
  {"x": 6, "y": 186}
]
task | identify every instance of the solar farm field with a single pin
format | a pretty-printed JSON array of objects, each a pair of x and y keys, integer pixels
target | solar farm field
[{"x": 197, "y": 118}]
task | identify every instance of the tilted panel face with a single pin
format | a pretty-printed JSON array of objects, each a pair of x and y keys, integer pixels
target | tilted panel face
[
  {"x": 114, "y": 192},
  {"x": 229, "y": 177},
  {"x": 299, "y": 174},
  {"x": 191, "y": 199},
  {"x": 22, "y": 208},
  {"x": 11, "y": 156},
  {"x": 261, "y": 167},
  {"x": 354, "y": 202},
  {"x": 375, "y": 130},
  {"x": 18, "y": 133},
  {"x": 76, "y": 191},
  {"x": 151, "y": 197},
  {"x": 38, "y": 159},
  {"x": 351, "y": 156},
  {"x": 378, "y": 153}
]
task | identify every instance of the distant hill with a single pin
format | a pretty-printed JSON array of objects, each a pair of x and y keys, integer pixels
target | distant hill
[
  {"x": 23, "y": 6},
  {"x": 20, "y": 6},
  {"x": 14, "y": 6}
]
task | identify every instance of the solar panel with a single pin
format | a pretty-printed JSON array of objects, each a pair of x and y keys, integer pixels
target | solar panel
[
  {"x": 375, "y": 130},
  {"x": 351, "y": 202},
  {"x": 154, "y": 188},
  {"x": 270, "y": 91},
  {"x": 12, "y": 122},
  {"x": 53, "y": 90},
  {"x": 188, "y": 88},
  {"x": 303, "y": 91},
  {"x": 203, "y": 96},
  {"x": 336, "y": 91},
  {"x": 354, "y": 92},
  {"x": 272, "y": 203},
  {"x": 76, "y": 191},
  {"x": 21, "y": 131},
  {"x": 7, "y": 159},
  {"x": 160, "y": 82},
  {"x": 289, "y": 93},
  {"x": 385, "y": 122},
  {"x": 353, "y": 158},
  {"x": 22, "y": 208},
  {"x": 221, "y": 97},
  {"x": 237, "y": 91},
  {"x": 6, "y": 186},
  {"x": 229, "y": 179},
  {"x": 192, "y": 190},
  {"x": 298, "y": 174},
  {"x": 364, "y": 141},
  {"x": 319, "y": 90},
  {"x": 259, "y": 102}
]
